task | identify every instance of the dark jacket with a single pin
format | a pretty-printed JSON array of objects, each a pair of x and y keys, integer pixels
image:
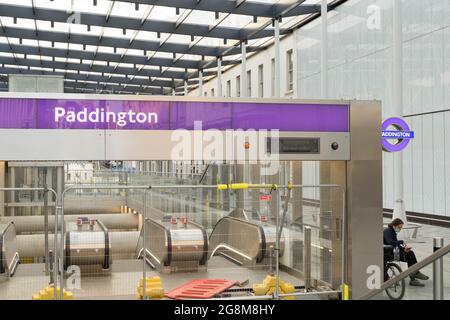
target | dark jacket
[{"x": 390, "y": 237}]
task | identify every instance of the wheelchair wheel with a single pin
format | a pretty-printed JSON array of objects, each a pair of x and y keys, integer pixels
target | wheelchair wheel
[{"x": 397, "y": 290}]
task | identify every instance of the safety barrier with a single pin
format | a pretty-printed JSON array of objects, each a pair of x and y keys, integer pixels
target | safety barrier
[{"x": 311, "y": 246}]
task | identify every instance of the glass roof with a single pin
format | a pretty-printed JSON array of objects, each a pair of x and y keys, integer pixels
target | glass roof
[{"x": 156, "y": 45}]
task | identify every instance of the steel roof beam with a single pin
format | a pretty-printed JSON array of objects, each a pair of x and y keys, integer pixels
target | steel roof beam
[
  {"x": 82, "y": 76},
  {"x": 117, "y": 87},
  {"x": 90, "y": 19},
  {"x": 95, "y": 68},
  {"x": 113, "y": 42},
  {"x": 108, "y": 57},
  {"x": 71, "y": 87},
  {"x": 248, "y": 8}
]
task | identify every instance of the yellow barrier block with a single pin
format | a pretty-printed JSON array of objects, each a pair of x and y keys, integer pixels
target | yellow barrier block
[
  {"x": 153, "y": 288},
  {"x": 48, "y": 294},
  {"x": 345, "y": 292},
  {"x": 222, "y": 187},
  {"x": 26, "y": 260},
  {"x": 268, "y": 287}
]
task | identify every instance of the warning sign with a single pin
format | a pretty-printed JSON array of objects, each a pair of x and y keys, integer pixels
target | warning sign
[{"x": 265, "y": 197}]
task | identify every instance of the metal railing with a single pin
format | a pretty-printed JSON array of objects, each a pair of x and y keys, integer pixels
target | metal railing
[
  {"x": 411, "y": 270},
  {"x": 58, "y": 254},
  {"x": 44, "y": 189}
]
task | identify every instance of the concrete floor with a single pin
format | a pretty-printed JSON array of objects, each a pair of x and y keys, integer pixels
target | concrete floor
[
  {"x": 122, "y": 282},
  {"x": 124, "y": 277},
  {"x": 423, "y": 247}
]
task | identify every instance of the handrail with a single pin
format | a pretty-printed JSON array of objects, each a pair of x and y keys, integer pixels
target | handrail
[
  {"x": 430, "y": 259},
  {"x": 204, "y": 173},
  {"x": 9, "y": 268},
  {"x": 107, "y": 244}
]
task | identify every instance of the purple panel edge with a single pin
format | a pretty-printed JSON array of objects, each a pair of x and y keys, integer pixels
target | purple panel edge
[{"x": 30, "y": 113}]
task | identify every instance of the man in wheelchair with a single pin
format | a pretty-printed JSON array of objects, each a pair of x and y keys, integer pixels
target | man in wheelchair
[{"x": 405, "y": 253}]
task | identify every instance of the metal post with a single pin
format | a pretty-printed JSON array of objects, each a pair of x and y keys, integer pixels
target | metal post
[
  {"x": 144, "y": 273},
  {"x": 277, "y": 249},
  {"x": 324, "y": 50},
  {"x": 277, "y": 62},
  {"x": 46, "y": 229},
  {"x": 50, "y": 255},
  {"x": 343, "y": 227},
  {"x": 219, "y": 76},
  {"x": 307, "y": 257},
  {"x": 200, "y": 83},
  {"x": 438, "y": 271},
  {"x": 244, "y": 69},
  {"x": 59, "y": 262},
  {"x": 2, "y": 185},
  {"x": 399, "y": 206},
  {"x": 59, "y": 180},
  {"x": 173, "y": 92},
  {"x": 185, "y": 87},
  {"x": 12, "y": 184}
]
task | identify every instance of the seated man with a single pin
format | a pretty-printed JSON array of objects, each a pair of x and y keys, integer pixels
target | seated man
[{"x": 406, "y": 254}]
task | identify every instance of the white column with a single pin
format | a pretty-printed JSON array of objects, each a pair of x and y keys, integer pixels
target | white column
[
  {"x": 219, "y": 76},
  {"x": 60, "y": 180},
  {"x": 185, "y": 87},
  {"x": 12, "y": 184},
  {"x": 324, "y": 51},
  {"x": 244, "y": 70},
  {"x": 200, "y": 83},
  {"x": 277, "y": 59},
  {"x": 173, "y": 91},
  {"x": 399, "y": 206}
]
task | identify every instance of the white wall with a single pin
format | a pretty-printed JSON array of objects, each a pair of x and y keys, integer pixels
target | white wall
[
  {"x": 264, "y": 57},
  {"x": 360, "y": 67}
]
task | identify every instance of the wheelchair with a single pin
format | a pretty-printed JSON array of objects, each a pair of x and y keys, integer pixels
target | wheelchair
[{"x": 392, "y": 269}]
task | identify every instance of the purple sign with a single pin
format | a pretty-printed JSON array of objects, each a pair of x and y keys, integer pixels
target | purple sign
[
  {"x": 24, "y": 113},
  {"x": 402, "y": 136}
]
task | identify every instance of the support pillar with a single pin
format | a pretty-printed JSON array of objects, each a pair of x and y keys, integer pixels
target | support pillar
[
  {"x": 244, "y": 69},
  {"x": 324, "y": 50},
  {"x": 219, "y": 76},
  {"x": 399, "y": 205},
  {"x": 277, "y": 58},
  {"x": 200, "y": 83}
]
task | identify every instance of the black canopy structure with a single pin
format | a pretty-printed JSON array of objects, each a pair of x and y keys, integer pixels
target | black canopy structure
[{"x": 138, "y": 46}]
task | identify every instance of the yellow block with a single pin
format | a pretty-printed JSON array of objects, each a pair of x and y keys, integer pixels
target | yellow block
[
  {"x": 48, "y": 294},
  {"x": 26, "y": 260},
  {"x": 269, "y": 285},
  {"x": 345, "y": 292},
  {"x": 153, "y": 288}
]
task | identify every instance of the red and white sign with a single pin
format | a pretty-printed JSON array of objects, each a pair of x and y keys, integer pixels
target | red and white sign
[{"x": 265, "y": 197}]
